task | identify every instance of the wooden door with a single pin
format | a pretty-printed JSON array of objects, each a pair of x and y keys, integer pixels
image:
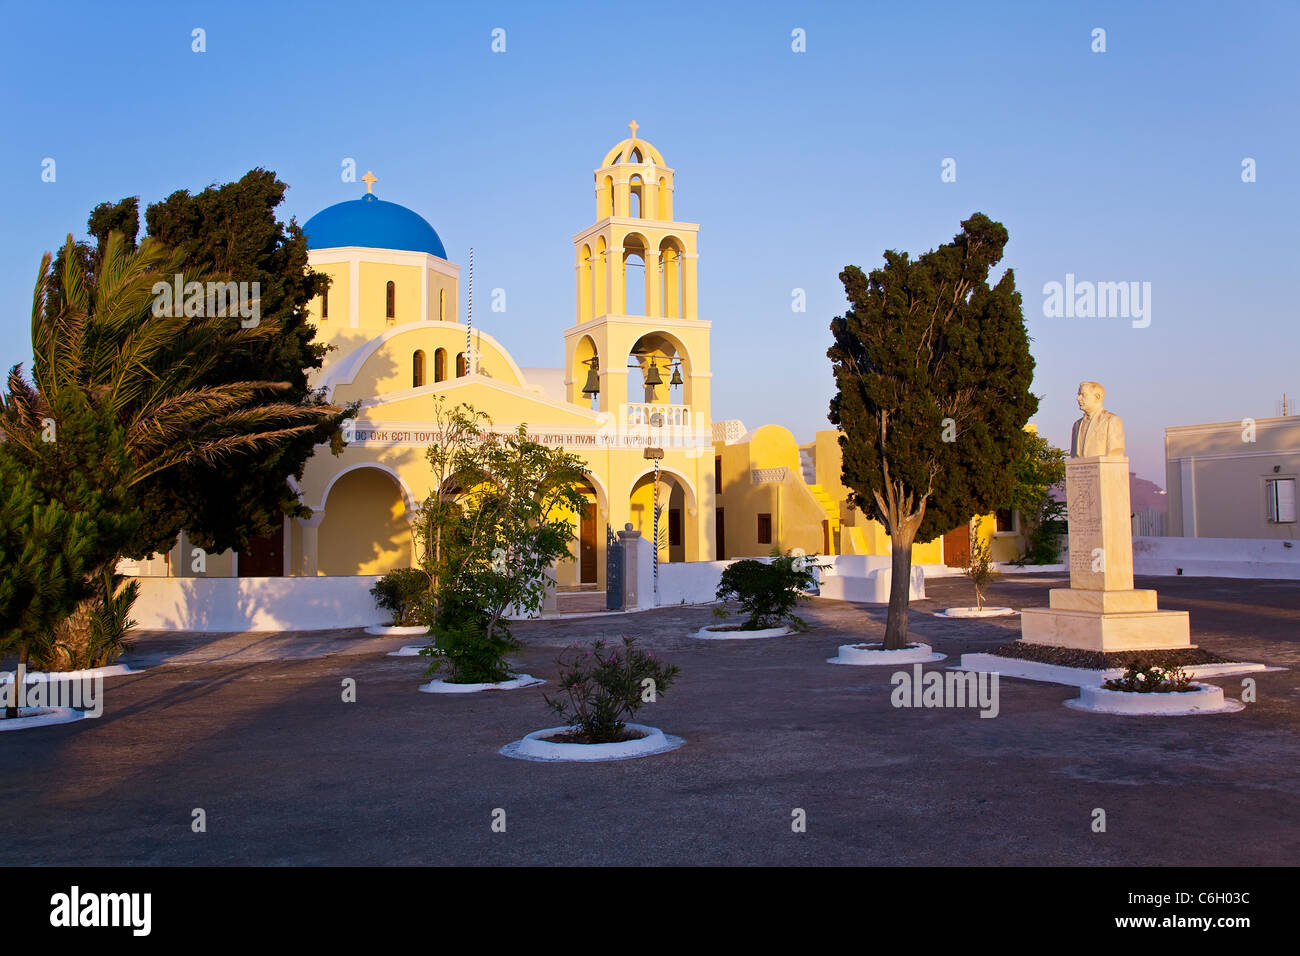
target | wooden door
[
  {"x": 587, "y": 545},
  {"x": 264, "y": 557},
  {"x": 956, "y": 545}
]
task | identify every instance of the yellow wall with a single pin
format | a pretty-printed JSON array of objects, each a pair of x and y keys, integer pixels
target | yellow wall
[{"x": 365, "y": 529}]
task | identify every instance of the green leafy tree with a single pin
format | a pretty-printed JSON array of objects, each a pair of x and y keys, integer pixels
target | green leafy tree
[
  {"x": 456, "y": 462},
  {"x": 121, "y": 395},
  {"x": 1039, "y": 469},
  {"x": 932, "y": 370},
  {"x": 231, "y": 232},
  {"x": 514, "y": 525},
  {"x": 43, "y": 551}
]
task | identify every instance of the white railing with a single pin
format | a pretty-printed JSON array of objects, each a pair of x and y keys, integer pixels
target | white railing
[{"x": 657, "y": 415}]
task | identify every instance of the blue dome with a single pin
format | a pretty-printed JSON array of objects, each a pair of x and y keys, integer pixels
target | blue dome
[{"x": 371, "y": 222}]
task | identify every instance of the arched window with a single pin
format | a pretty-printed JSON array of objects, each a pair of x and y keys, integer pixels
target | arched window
[
  {"x": 391, "y": 302},
  {"x": 461, "y": 368},
  {"x": 324, "y": 305},
  {"x": 442, "y": 305},
  {"x": 635, "y": 197},
  {"x": 439, "y": 364},
  {"x": 417, "y": 369}
]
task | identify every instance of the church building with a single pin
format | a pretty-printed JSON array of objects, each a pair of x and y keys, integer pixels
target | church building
[{"x": 635, "y": 376}]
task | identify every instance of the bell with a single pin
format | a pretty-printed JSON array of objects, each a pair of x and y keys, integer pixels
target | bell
[
  {"x": 677, "y": 376},
  {"x": 652, "y": 376},
  {"x": 593, "y": 382}
]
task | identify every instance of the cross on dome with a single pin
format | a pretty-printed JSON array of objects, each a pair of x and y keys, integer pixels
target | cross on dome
[{"x": 369, "y": 179}]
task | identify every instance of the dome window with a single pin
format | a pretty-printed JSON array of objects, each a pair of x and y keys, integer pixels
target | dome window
[{"x": 390, "y": 300}]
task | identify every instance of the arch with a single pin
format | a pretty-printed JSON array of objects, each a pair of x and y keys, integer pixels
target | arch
[
  {"x": 345, "y": 371},
  {"x": 665, "y": 347},
  {"x": 636, "y": 246},
  {"x": 633, "y": 146},
  {"x": 675, "y": 494},
  {"x": 665, "y": 198},
  {"x": 605, "y": 198},
  {"x": 636, "y": 198},
  {"x": 407, "y": 497},
  {"x": 417, "y": 368},
  {"x": 366, "y": 530},
  {"x": 600, "y": 280},
  {"x": 462, "y": 368},
  {"x": 439, "y": 364},
  {"x": 584, "y": 283},
  {"x": 671, "y": 250},
  {"x": 390, "y": 302},
  {"x": 584, "y": 351}
]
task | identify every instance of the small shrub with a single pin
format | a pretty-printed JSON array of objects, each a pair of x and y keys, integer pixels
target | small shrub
[
  {"x": 463, "y": 646},
  {"x": 403, "y": 593},
  {"x": 977, "y": 564},
  {"x": 1143, "y": 678},
  {"x": 604, "y": 688},
  {"x": 767, "y": 592}
]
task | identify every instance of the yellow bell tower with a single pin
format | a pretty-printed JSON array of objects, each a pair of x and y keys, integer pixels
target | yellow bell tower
[{"x": 636, "y": 295}]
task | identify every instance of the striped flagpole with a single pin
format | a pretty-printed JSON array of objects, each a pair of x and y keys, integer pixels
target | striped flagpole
[{"x": 469, "y": 318}]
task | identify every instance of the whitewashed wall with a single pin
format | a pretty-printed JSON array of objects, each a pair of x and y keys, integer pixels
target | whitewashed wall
[
  {"x": 256, "y": 604},
  {"x": 1217, "y": 557},
  {"x": 695, "y": 582}
]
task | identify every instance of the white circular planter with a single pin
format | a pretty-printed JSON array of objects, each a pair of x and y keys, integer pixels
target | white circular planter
[
  {"x": 1205, "y": 699},
  {"x": 109, "y": 670},
  {"x": 445, "y": 687},
  {"x": 871, "y": 655},
  {"x": 535, "y": 747},
  {"x": 977, "y": 612},
  {"x": 710, "y": 634},
  {"x": 380, "y": 630},
  {"x": 31, "y": 717},
  {"x": 409, "y": 650}
]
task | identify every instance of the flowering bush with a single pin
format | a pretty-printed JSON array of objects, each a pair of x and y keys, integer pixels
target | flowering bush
[
  {"x": 604, "y": 687},
  {"x": 1143, "y": 678}
]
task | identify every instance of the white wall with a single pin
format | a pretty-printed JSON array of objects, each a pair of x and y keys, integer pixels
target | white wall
[
  {"x": 256, "y": 604},
  {"x": 1217, "y": 557},
  {"x": 695, "y": 582},
  {"x": 865, "y": 578}
]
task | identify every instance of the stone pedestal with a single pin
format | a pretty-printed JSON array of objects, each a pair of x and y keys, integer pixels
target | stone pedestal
[{"x": 1101, "y": 611}]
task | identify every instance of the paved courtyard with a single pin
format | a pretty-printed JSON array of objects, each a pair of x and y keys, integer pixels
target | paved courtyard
[{"x": 252, "y": 729}]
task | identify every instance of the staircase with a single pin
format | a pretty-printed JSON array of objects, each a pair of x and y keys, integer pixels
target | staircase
[
  {"x": 808, "y": 469},
  {"x": 808, "y": 466}
]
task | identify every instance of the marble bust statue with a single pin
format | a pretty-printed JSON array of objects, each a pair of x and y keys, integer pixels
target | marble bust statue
[{"x": 1098, "y": 432}]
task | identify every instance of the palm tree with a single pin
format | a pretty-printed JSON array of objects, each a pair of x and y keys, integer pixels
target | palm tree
[{"x": 100, "y": 346}]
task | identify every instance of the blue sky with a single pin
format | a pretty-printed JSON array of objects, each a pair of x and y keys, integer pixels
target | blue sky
[{"x": 1115, "y": 166}]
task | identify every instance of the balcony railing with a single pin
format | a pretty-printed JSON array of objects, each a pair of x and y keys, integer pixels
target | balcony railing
[{"x": 657, "y": 415}]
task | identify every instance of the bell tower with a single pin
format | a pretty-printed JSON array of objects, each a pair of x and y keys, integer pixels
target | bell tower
[{"x": 637, "y": 307}]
